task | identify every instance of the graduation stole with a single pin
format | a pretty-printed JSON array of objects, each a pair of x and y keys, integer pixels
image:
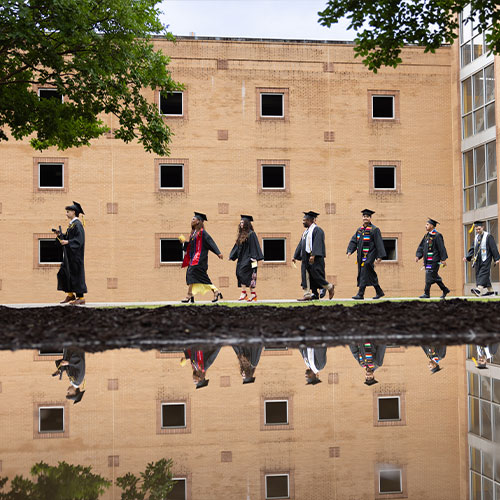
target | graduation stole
[
  {"x": 198, "y": 361},
  {"x": 366, "y": 233},
  {"x": 431, "y": 353},
  {"x": 367, "y": 361},
  {"x": 430, "y": 249},
  {"x": 193, "y": 251},
  {"x": 477, "y": 249}
]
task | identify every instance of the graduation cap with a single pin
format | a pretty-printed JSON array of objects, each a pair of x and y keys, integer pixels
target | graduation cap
[
  {"x": 479, "y": 366},
  {"x": 249, "y": 218},
  {"x": 249, "y": 380},
  {"x": 76, "y": 398},
  {"x": 201, "y": 216},
  {"x": 433, "y": 222},
  {"x": 76, "y": 207},
  {"x": 371, "y": 381},
  {"x": 479, "y": 223},
  {"x": 367, "y": 211},
  {"x": 311, "y": 214},
  {"x": 202, "y": 383},
  {"x": 313, "y": 381}
]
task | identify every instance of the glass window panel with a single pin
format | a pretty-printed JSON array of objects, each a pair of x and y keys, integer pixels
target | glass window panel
[
  {"x": 466, "y": 25},
  {"x": 467, "y": 125},
  {"x": 478, "y": 121},
  {"x": 485, "y": 383},
  {"x": 477, "y": 45},
  {"x": 486, "y": 430},
  {"x": 475, "y": 24},
  {"x": 493, "y": 230},
  {"x": 487, "y": 465},
  {"x": 496, "y": 423},
  {"x": 473, "y": 384},
  {"x": 475, "y": 486},
  {"x": 495, "y": 276},
  {"x": 490, "y": 115},
  {"x": 492, "y": 193},
  {"x": 474, "y": 416},
  {"x": 496, "y": 394},
  {"x": 487, "y": 489},
  {"x": 481, "y": 196},
  {"x": 480, "y": 162},
  {"x": 491, "y": 156},
  {"x": 467, "y": 96},
  {"x": 497, "y": 491},
  {"x": 469, "y": 199},
  {"x": 478, "y": 85},
  {"x": 466, "y": 53},
  {"x": 489, "y": 80},
  {"x": 468, "y": 159},
  {"x": 475, "y": 459}
]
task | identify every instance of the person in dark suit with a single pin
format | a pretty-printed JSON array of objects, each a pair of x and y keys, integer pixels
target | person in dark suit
[{"x": 73, "y": 364}]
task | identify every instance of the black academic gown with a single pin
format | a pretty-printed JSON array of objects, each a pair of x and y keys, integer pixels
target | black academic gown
[
  {"x": 376, "y": 250},
  {"x": 252, "y": 353},
  {"x": 196, "y": 258},
  {"x": 319, "y": 357},
  {"x": 431, "y": 350},
  {"x": 207, "y": 358},
  {"x": 483, "y": 267},
  {"x": 316, "y": 271},
  {"x": 439, "y": 254},
  {"x": 75, "y": 252},
  {"x": 359, "y": 353},
  {"x": 76, "y": 368},
  {"x": 244, "y": 253}
]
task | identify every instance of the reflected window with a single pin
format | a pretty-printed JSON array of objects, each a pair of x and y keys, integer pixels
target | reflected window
[
  {"x": 179, "y": 491},
  {"x": 390, "y": 481},
  {"x": 51, "y": 419},
  {"x": 50, "y": 351},
  {"x": 485, "y": 388},
  {"x": 486, "y": 430},
  {"x": 475, "y": 459},
  {"x": 388, "y": 408},
  {"x": 276, "y": 412},
  {"x": 277, "y": 486},
  {"x": 474, "y": 416},
  {"x": 173, "y": 415}
]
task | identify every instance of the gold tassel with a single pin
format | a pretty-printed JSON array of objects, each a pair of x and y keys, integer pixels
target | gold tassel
[
  {"x": 475, "y": 362},
  {"x": 183, "y": 361},
  {"x": 83, "y": 221},
  {"x": 471, "y": 228}
]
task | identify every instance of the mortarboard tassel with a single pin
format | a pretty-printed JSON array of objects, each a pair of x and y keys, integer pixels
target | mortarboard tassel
[
  {"x": 475, "y": 361},
  {"x": 471, "y": 228}
]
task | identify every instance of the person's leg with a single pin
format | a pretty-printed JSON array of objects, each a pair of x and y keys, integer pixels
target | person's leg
[{"x": 243, "y": 295}]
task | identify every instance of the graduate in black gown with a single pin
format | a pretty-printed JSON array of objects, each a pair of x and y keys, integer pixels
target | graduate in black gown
[
  {"x": 369, "y": 247},
  {"x": 196, "y": 250},
  {"x": 248, "y": 358},
  {"x": 311, "y": 252},
  {"x": 315, "y": 360},
  {"x": 71, "y": 275},
  {"x": 433, "y": 251},
  {"x": 484, "y": 355},
  {"x": 435, "y": 354},
  {"x": 483, "y": 252},
  {"x": 370, "y": 356},
  {"x": 201, "y": 360},
  {"x": 73, "y": 364},
  {"x": 247, "y": 252}
]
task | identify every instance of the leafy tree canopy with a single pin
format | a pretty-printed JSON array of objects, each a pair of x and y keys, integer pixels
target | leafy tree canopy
[
  {"x": 384, "y": 26},
  {"x": 98, "y": 55}
]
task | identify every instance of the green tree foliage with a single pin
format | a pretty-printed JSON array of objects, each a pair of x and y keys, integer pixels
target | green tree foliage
[
  {"x": 384, "y": 26},
  {"x": 98, "y": 54}
]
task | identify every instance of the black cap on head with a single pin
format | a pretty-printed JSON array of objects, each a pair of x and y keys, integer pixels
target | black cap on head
[
  {"x": 202, "y": 383},
  {"x": 76, "y": 207},
  {"x": 313, "y": 381},
  {"x": 479, "y": 223},
  {"x": 436, "y": 369},
  {"x": 249, "y": 380},
  {"x": 247, "y": 217},
  {"x": 201, "y": 216},
  {"x": 433, "y": 222},
  {"x": 371, "y": 381},
  {"x": 311, "y": 214},
  {"x": 77, "y": 397},
  {"x": 367, "y": 211}
]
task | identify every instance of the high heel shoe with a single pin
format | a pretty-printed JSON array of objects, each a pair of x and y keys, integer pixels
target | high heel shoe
[
  {"x": 252, "y": 298},
  {"x": 187, "y": 300},
  {"x": 217, "y": 296},
  {"x": 243, "y": 296}
]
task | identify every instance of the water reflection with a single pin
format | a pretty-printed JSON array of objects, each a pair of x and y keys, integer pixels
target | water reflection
[{"x": 257, "y": 431}]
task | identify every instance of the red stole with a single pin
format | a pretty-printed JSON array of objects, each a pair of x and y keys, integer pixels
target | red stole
[{"x": 192, "y": 257}]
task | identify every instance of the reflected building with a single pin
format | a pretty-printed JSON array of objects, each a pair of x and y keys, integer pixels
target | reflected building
[{"x": 275, "y": 438}]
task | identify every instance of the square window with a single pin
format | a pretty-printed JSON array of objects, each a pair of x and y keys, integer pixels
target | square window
[
  {"x": 171, "y": 103},
  {"x": 273, "y": 176},
  {"x": 50, "y": 94},
  {"x": 383, "y": 106},
  {"x": 49, "y": 252},
  {"x": 276, "y": 412},
  {"x": 391, "y": 249},
  {"x": 388, "y": 408},
  {"x": 50, "y": 175},
  {"x": 51, "y": 419},
  {"x": 179, "y": 491},
  {"x": 50, "y": 351},
  {"x": 274, "y": 249},
  {"x": 173, "y": 415},
  {"x": 390, "y": 481},
  {"x": 277, "y": 486},
  {"x": 384, "y": 177},
  {"x": 171, "y": 176},
  {"x": 171, "y": 250},
  {"x": 272, "y": 105}
]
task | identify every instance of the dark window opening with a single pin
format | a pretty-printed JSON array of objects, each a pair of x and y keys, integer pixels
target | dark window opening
[
  {"x": 273, "y": 177},
  {"x": 276, "y": 412},
  {"x": 390, "y": 481},
  {"x": 275, "y": 348},
  {"x": 50, "y": 251},
  {"x": 50, "y": 351},
  {"x": 384, "y": 177},
  {"x": 173, "y": 415},
  {"x": 274, "y": 250},
  {"x": 171, "y": 104},
  {"x": 171, "y": 250},
  {"x": 179, "y": 490},
  {"x": 172, "y": 176},
  {"x": 49, "y": 94},
  {"x": 277, "y": 486},
  {"x": 383, "y": 106},
  {"x": 51, "y": 420},
  {"x": 391, "y": 248},
  {"x": 271, "y": 105},
  {"x": 388, "y": 409},
  {"x": 50, "y": 175}
]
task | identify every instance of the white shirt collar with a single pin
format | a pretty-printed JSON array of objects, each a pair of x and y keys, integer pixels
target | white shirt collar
[{"x": 73, "y": 219}]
